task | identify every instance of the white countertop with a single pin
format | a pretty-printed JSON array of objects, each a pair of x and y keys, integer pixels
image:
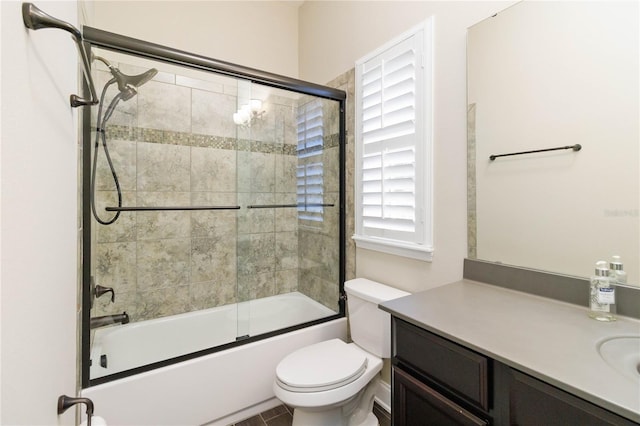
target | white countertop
[{"x": 553, "y": 341}]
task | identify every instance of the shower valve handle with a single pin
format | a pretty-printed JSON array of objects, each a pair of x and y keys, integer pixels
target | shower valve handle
[{"x": 100, "y": 290}]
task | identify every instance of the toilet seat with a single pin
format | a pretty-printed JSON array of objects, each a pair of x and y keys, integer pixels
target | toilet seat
[{"x": 320, "y": 367}]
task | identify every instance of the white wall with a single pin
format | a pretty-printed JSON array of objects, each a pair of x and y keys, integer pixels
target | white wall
[
  {"x": 333, "y": 35},
  {"x": 39, "y": 227},
  {"x": 257, "y": 34}
]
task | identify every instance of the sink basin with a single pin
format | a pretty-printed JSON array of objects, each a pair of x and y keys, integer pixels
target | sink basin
[{"x": 622, "y": 353}]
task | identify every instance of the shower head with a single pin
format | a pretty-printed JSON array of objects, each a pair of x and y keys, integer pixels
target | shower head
[
  {"x": 128, "y": 93},
  {"x": 127, "y": 84}
]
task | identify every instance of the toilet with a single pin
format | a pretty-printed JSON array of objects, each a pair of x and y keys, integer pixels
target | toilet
[{"x": 333, "y": 383}]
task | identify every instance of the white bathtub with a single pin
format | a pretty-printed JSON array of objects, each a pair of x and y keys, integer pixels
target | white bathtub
[
  {"x": 218, "y": 388},
  {"x": 141, "y": 343}
]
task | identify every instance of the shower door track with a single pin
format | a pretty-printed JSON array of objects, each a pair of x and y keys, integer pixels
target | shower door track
[{"x": 108, "y": 40}]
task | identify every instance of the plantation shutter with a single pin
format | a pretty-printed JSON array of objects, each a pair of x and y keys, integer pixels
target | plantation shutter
[
  {"x": 389, "y": 137},
  {"x": 310, "y": 169}
]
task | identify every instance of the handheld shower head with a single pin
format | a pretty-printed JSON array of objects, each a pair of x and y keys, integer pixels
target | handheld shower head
[
  {"x": 127, "y": 87},
  {"x": 128, "y": 93},
  {"x": 131, "y": 81},
  {"x": 127, "y": 84}
]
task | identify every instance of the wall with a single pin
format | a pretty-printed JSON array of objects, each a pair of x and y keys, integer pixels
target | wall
[
  {"x": 356, "y": 28},
  {"x": 258, "y": 34},
  {"x": 39, "y": 229},
  {"x": 175, "y": 144},
  {"x": 332, "y": 36},
  {"x": 39, "y": 168}
]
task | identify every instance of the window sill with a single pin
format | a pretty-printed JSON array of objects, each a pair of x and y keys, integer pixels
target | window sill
[{"x": 398, "y": 248}]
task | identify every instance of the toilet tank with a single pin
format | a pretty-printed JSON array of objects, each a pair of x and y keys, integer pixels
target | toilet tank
[{"x": 370, "y": 327}]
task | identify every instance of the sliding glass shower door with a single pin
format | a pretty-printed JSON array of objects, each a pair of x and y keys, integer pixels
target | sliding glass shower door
[{"x": 215, "y": 213}]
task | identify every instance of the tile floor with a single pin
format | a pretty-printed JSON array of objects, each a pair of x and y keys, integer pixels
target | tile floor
[{"x": 281, "y": 416}]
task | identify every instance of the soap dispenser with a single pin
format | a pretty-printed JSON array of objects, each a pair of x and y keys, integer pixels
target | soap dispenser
[
  {"x": 617, "y": 273},
  {"x": 602, "y": 296}
]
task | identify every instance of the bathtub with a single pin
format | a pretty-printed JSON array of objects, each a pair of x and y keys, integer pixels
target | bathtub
[
  {"x": 133, "y": 345},
  {"x": 216, "y": 389}
]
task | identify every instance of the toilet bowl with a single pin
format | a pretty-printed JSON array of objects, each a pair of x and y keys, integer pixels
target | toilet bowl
[{"x": 333, "y": 383}]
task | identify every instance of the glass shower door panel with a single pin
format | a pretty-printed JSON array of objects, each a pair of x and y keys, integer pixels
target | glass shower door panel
[
  {"x": 170, "y": 255},
  {"x": 288, "y": 179},
  {"x": 318, "y": 197},
  {"x": 243, "y": 118}
]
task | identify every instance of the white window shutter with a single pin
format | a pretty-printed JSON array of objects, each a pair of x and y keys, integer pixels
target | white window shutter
[
  {"x": 310, "y": 169},
  {"x": 392, "y": 126}
]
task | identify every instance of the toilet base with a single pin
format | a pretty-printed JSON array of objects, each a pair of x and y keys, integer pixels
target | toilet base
[
  {"x": 334, "y": 417},
  {"x": 371, "y": 420},
  {"x": 318, "y": 418}
]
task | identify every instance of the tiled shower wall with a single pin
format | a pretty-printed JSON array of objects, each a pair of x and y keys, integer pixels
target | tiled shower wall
[{"x": 175, "y": 144}]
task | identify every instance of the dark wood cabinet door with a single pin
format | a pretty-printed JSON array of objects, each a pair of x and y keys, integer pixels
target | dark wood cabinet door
[
  {"x": 416, "y": 404},
  {"x": 534, "y": 403}
]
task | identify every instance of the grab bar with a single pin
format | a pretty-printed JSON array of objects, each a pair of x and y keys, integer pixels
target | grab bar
[
  {"x": 36, "y": 19},
  {"x": 576, "y": 147},
  {"x": 282, "y": 206},
  {"x": 168, "y": 208},
  {"x": 175, "y": 208}
]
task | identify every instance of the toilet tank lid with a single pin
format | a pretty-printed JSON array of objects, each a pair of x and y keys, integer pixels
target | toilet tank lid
[{"x": 372, "y": 291}]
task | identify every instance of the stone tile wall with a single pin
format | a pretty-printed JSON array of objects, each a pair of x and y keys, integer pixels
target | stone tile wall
[
  {"x": 347, "y": 82},
  {"x": 175, "y": 144}
]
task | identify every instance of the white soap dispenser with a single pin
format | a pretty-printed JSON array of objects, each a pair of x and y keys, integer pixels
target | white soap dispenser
[
  {"x": 617, "y": 273},
  {"x": 602, "y": 296}
]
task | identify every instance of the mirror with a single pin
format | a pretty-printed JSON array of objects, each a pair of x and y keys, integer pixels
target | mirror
[{"x": 544, "y": 75}]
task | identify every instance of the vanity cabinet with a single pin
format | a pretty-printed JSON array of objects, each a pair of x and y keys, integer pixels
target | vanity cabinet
[{"x": 439, "y": 382}]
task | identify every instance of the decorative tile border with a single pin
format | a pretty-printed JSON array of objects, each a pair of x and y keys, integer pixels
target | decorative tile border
[
  {"x": 127, "y": 133},
  {"x": 472, "y": 243}
]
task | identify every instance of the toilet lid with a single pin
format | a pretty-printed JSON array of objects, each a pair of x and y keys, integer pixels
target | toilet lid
[{"x": 322, "y": 366}]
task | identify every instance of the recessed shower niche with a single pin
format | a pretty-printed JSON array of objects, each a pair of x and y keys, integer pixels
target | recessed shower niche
[{"x": 214, "y": 200}]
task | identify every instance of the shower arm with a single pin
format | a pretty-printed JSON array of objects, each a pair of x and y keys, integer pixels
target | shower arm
[{"x": 36, "y": 19}]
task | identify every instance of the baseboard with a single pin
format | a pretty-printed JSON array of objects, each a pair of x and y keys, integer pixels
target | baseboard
[{"x": 383, "y": 396}]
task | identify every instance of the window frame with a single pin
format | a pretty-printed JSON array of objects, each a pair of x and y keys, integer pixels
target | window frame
[{"x": 421, "y": 245}]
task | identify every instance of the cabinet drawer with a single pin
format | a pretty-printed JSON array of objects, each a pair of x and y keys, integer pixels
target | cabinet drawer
[{"x": 452, "y": 366}]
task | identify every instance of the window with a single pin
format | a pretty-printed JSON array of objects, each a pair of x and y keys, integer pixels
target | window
[
  {"x": 309, "y": 173},
  {"x": 393, "y": 146}
]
